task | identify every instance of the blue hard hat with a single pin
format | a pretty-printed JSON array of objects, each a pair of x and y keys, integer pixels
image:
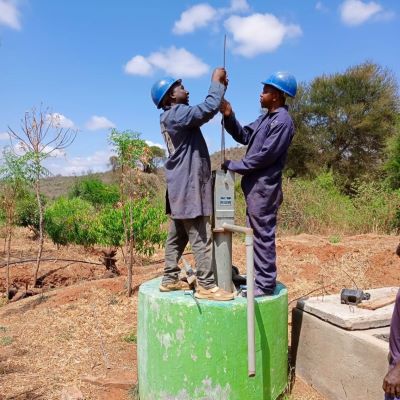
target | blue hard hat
[
  {"x": 160, "y": 89},
  {"x": 283, "y": 81}
]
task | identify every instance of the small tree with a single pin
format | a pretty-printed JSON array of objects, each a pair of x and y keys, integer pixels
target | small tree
[
  {"x": 42, "y": 134},
  {"x": 95, "y": 191},
  {"x": 13, "y": 181},
  {"x": 155, "y": 158},
  {"x": 130, "y": 150}
]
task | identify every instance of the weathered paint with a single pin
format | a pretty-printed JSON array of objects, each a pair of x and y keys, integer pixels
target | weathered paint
[{"x": 188, "y": 351}]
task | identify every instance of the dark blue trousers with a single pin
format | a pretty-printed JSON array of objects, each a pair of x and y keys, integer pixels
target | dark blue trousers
[{"x": 264, "y": 226}]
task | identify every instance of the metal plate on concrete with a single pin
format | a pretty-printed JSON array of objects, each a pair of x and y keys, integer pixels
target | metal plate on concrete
[{"x": 348, "y": 317}]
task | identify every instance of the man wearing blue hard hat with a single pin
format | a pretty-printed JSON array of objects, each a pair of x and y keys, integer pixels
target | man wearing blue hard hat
[
  {"x": 188, "y": 175},
  {"x": 268, "y": 139}
]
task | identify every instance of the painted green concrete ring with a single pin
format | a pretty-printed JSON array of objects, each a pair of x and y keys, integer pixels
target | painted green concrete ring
[{"x": 198, "y": 351}]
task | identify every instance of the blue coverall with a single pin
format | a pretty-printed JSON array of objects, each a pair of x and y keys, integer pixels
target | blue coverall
[
  {"x": 268, "y": 139},
  {"x": 394, "y": 340},
  {"x": 189, "y": 187}
]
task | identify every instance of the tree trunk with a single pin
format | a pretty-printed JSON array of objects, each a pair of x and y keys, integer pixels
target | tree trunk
[
  {"x": 41, "y": 233},
  {"x": 130, "y": 242},
  {"x": 9, "y": 234}
]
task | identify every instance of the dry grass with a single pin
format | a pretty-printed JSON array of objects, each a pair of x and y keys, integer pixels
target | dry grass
[{"x": 74, "y": 331}]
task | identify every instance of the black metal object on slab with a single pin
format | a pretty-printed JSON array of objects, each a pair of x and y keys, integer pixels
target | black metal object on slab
[{"x": 353, "y": 296}]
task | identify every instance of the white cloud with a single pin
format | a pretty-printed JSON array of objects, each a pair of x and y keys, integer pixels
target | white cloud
[
  {"x": 96, "y": 123},
  {"x": 9, "y": 14},
  {"x": 96, "y": 162},
  {"x": 176, "y": 62},
  {"x": 58, "y": 120},
  {"x": 239, "y": 5},
  {"x": 20, "y": 148},
  {"x": 4, "y": 136},
  {"x": 138, "y": 65},
  {"x": 51, "y": 151},
  {"x": 259, "y": 33},
  {"x": 356, "y": 12},
  {"x": 150, "y": 143},
  {"x": 201, "y": 15},
  {"x": 195, "y": 17}
]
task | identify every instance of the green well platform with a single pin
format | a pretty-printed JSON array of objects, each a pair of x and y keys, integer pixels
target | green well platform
[{"x": 198, "y": 351}]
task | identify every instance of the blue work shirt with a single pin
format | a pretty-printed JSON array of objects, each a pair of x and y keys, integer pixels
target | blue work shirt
[
  {"x": 267, "y": 139},
  {"x": 188, "y": 167}
]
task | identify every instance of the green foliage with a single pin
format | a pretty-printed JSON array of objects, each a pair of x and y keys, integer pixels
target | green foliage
[
  {"x": 6, "y": 340},
  {"x": 14, "y": 169},
  {"x": 27, "y": 212},
  {"x": 392, "y": 164},
  {"x": 379, "y": 205},
  {"x": 128, "y": 147},
  {"x": 76, "y": 221},
  {"x": 343, "y": 122},
  {"x": 314, "y": 206},
  {"x": 147, "y": 221},
  {"x": 335, "y": 239},
  {"x": 318, "y": 207},
  {"x": 95, "y": 192},
  {"x": 70, "y": 221},
  {"x": 110, "y": 227},
  {"x": 155, "y": 157},
  {"x": 130, "y": 338}
]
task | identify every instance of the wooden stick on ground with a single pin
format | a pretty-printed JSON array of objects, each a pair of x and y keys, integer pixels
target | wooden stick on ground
[{"x": 378, "y": 303}]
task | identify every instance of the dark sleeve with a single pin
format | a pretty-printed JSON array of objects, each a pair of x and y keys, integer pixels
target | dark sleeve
[
  {"x": 240, "y": 134},
  {"x": 276, "y": 143},
  {"x": 195, "y": 116},
  {"x": 394, "y": 341}
]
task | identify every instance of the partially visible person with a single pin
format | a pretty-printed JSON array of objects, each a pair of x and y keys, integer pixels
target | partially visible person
[
  {"x": 188, "y": 175},
  {"x": 391, "y": 382},
  {"x": 267, "y": 139}
]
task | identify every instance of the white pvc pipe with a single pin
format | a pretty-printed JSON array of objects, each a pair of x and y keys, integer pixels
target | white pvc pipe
[{"x": 251, "y": 345}]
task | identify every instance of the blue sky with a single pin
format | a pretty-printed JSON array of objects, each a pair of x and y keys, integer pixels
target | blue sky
[{"x": 93, "y": 62}]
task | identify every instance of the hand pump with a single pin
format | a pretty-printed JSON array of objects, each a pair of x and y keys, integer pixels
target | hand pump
[{"x": 223, "y": 227}]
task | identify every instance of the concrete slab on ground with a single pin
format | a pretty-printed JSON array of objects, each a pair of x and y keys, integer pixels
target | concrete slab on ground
[
  {"x": 348, "y": 317},
  {"x": 338, "y": 363}
]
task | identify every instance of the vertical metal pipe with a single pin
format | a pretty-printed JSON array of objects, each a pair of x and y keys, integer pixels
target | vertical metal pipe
[
  {"x": 222, "y": 259},
  {"x": 251, "y": 346}
]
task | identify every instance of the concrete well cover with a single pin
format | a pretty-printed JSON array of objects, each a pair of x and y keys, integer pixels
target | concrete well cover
[{"x": 348, "y": 317}]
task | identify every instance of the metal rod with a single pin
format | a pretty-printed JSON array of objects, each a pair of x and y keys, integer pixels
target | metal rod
[
  {"x": 237, "y": 229},
  {"x": 251, "y": 345},
  {"x": 223, "y": 158}
]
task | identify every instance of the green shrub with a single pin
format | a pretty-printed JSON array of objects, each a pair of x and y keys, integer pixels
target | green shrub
[
  {"x": 26, "y": 210},
  {"x": 109, "y": 227},
  {"x": 148, "y": 229},
  {"x": 147, "y": 226},
  {"x": 377, "y": 207},
  {"x": 318, "y": 206},
  {"x": 70, "y": 221},
  {"x": 95, "y": 192},
  {"x": 76, "y": 221}
]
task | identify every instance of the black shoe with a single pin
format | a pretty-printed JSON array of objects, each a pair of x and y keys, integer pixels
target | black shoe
[{"x": 259, "y": 292}]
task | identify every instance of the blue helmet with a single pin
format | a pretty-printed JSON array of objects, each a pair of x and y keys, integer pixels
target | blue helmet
[
  {"x": 160, "y": 89},
  {"x": 283, "y": 81}
]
